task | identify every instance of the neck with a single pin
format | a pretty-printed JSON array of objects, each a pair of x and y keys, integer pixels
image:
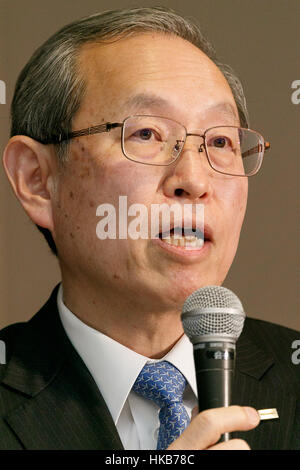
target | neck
[{"x": 151, "y": 333}]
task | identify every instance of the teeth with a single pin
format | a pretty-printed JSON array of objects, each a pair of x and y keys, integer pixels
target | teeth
[{"x": 188, "y": 242}]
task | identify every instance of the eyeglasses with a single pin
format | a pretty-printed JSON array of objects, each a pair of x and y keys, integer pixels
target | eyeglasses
[{"x": 155, "y": 140}]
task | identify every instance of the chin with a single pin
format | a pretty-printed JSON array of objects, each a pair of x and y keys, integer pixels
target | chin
[{"x": 177, "y": 293}]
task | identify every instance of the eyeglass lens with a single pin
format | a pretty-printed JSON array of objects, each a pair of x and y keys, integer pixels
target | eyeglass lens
[{"x": 159, "y": 141}]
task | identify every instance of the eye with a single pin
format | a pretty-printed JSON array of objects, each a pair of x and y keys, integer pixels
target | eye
[
  {"x": 220, "y": 142},
  {"x": 146, "y": 134}
]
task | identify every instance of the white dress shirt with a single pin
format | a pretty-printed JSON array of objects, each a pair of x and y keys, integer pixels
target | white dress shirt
[{"x": 115, "y": 368}]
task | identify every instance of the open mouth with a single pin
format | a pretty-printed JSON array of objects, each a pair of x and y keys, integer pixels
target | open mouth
[{"x": 189, "y": 238}]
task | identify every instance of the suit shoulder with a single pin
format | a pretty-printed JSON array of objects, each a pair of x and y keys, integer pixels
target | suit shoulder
[
  {"x": 26, "y": 333},
  {"x": 10, "y": 333},
  {"x": 280, "y": 342},
  {"x": 276, "y": 334},
  {"x": 12, "y": 330},
  {"x": 9, "y": 337}
]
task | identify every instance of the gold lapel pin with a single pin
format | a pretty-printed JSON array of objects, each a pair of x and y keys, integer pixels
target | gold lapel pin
[{"x": 270, "y": 413}]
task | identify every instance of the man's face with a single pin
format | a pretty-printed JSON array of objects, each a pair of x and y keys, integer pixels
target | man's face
[{"x": 163, "y": 76}]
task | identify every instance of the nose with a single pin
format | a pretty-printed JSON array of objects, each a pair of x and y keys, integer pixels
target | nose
[{"x": 190, "y": 178}]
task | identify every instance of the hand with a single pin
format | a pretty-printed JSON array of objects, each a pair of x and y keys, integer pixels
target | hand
[{"x": 206, "y": 428}]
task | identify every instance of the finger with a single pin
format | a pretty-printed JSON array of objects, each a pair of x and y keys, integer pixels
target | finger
[
  {"x": 206, "y": 428},
  {"x": 232, "y": 444}
]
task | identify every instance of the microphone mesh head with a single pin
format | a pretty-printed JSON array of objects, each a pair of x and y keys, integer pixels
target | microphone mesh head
[{"x": 205, "y": 313}]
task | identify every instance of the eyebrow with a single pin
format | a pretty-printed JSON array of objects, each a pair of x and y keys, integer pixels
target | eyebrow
[
  {"x": 149, "y": 100},
  {"x": 225, "y": 108}
]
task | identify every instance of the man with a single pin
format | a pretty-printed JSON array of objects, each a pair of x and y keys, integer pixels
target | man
[{"x": 132, "y": 103}]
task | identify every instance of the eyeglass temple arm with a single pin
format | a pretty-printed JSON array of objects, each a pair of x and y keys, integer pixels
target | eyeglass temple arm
[
  {"x": 88, "y": 131},
  {"x": 256, "y": 149}
]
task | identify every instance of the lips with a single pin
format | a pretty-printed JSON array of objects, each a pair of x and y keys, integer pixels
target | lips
[
  {"x": 191, "y": 238},
  {"x": 178, "y": 232}
]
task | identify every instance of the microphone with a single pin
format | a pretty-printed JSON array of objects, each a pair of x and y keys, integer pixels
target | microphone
[{"x": 213, "y": 318}]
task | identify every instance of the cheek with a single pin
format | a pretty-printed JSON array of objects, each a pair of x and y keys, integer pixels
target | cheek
[
  {"x": 240, "y": 201},
  {"x": 105, "y": 173},
  {"x": 90, "y": 179},
  {"x": 235, "y": 198},
  {"x": 75, "y": 212}
]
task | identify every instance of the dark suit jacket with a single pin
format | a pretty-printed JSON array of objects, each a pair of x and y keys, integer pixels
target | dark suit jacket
[{"x": 49, "y": 400}]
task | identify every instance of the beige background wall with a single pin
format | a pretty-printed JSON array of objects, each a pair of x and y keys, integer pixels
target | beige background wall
[{"x": 261, "y": 40}]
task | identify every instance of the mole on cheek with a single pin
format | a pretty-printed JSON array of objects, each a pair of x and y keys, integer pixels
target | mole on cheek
[{"x": 71, "y": 195}]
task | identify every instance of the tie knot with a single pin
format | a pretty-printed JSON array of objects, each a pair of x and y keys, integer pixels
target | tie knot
[{"x": 160, "y": 382}]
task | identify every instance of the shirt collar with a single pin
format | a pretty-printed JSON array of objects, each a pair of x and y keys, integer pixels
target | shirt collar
[{"x": 113, "y": 366}]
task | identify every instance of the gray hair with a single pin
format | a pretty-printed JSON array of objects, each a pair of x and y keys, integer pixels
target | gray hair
[{"x": 49, "y": 89}]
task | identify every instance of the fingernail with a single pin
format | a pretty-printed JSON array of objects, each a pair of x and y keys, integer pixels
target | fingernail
[{"x": 252, "y": 415}]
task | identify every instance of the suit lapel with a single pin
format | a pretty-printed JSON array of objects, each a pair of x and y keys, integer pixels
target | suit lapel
[
  {"x": 62, "y": 406},
  {"x": 256, "y": 385}
]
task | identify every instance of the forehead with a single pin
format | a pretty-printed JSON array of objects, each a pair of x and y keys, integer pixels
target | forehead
[{"x": 151, "y": 71}]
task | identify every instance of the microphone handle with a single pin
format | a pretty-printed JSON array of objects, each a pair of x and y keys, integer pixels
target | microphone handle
[{"x": 214, "y": 365}]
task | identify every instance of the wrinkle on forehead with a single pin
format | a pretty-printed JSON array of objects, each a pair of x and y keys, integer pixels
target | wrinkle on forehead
[
  {"x": 145, "y": 65},
  {"x": 141, "y": 101},
  {"x": 146, "y": 54}
]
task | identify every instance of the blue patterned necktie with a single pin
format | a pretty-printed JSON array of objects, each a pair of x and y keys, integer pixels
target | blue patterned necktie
[{"x": 164, "y": 384}]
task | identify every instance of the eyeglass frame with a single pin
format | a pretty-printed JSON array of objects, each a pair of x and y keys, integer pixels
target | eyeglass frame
[{"x": 108, "y": 126}]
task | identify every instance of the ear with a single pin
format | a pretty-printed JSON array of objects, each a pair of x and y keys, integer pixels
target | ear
[{"x": 30, "y": 168}]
